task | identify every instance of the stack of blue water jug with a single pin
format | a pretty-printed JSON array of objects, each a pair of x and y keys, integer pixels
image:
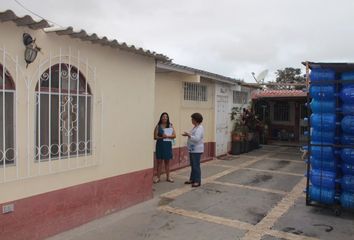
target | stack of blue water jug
[
  {"x": 332, "y": 137},
  {"x": 323, "y": 159},
  {"x": 347, "y": 140}
]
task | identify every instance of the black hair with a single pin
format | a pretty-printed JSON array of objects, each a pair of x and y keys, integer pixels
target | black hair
[
  {"x": 168, "y": 120},
  {"x": 197, "y": 117}
]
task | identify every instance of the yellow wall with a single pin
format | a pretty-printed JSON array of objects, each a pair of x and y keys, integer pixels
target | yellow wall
[
  {"x": 169, "y": 98},
  {"x": 123, "y": 111}
]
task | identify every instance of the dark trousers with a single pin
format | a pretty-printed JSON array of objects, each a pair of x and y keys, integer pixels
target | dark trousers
[{"x": 194, "y": 159}]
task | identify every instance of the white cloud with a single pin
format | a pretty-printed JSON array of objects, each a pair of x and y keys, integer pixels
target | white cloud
[{"x": 232, "y": 38}]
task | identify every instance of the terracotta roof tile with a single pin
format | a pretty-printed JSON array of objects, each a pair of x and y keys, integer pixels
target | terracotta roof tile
[{"x": 278, "y": 94}]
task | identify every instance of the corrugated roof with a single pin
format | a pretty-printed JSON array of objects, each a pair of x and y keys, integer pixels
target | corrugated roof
[
  {"x": 278, "y": 94},
  {"x": 251, "y": 85},
  {"x": 95, "y": 39},
  {"x": 180, "y": 68},
  {"x": 28, "y": 21},
  {"x": 336, "y": 66}
]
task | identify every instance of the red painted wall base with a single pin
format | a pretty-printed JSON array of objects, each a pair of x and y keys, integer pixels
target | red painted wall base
[{"x": 47, "y": 214}]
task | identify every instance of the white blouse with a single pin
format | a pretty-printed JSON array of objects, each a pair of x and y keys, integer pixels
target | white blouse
[{"x": 196, "y": 140}]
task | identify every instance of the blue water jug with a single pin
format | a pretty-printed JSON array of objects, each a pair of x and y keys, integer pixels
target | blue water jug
[
  {"x": 328, "y": 106},
  {"x": 324, "y": 137},
  {"x": 347, "y": 200},
  {"x": 323, "y": 165},
  {"x": 322, "y": 195},
  {"x": 325, "y": 121},
  {"x": 325, "y": 179},
  {"x": 348, "y": 169},
  {"x": 347, "y": 155},
  {"x": 347, "y": 139},
  {"x": 322, "y": 74},
  {"x": 347, "y": 76},
  {"x": 323, "y": 153},
  {"x": 348, "y": 124},
  {"x": 322, "y": 92},
  {"x": 348, "y": 109},
  {"x": 347, "y": 94},
  {"x": 348, "y": 183}
]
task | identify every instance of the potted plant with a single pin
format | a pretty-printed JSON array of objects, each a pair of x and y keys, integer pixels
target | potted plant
[
  {"x": 244, "y": 141},
  {"x": 239, "y": 132}
]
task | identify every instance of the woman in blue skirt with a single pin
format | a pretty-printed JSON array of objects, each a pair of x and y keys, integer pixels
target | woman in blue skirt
[{"x": 164, "y": 134}]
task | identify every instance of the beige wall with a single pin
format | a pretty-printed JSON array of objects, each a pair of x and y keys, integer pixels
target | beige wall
[
  {"x": 169, "y": 98},
  {"x": 123, "y": 111}
]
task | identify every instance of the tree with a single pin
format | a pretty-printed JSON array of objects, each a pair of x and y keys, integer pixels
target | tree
[{"x": 288, "y": 75}]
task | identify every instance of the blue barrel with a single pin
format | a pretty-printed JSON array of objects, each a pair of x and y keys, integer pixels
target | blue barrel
[
  {"x": 325, "y": 137},
  {"x": 323, "y": 165},
  {"x": 325, "y": 121},
  {"x": 322, "y": 92},
  {"x": 348, "y": 109},
  {"x": 323, "y": 153},
  {"x": 328, "y": 106},
  {"x": 348, "y": 169},
  {"x": 347, "y": 93},
  {"x": 347, "y": 200},
  {"x": 347, "y": 76},
  {"x": 324, "y": 179},
  {"x": 347, "y": 139},
  {"x": 322, "y": 74},
  {"x": 347, "y": 155},
  {"x": 348, "y": 183},
  {"x": 322, "y": 195},
  {"x": 348, "y": 124}
]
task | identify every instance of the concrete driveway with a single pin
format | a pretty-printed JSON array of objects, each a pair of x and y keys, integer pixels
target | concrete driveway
[{"x": 258, "y": 195}]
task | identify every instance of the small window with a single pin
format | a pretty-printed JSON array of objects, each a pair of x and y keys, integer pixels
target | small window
[
  {"x": 239, "y": 97},
  {"x": 195, "y": 92},
  {"x": 7, "y": 126},
  {"x": 281, "y": 111}
]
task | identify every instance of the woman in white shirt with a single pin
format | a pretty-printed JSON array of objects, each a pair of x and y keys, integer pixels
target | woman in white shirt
[{"x": 196, "y": 148}]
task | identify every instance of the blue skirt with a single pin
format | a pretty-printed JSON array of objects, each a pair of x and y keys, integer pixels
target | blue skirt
[{"x": 163, "y": 150}]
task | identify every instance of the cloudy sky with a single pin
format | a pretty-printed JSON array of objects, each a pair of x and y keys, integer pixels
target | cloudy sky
[{"x": 228, "y": 37}]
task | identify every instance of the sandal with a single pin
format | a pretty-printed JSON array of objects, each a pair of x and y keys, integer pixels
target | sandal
[
  {"x": 196, "y": 185},
  {"x": 188, "y": 182},
  {"x": 156, "y": 180},
  {"x": 170, "y": 180}
]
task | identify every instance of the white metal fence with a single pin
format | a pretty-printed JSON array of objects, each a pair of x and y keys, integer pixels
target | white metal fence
[{"x": 49, "y": 122}]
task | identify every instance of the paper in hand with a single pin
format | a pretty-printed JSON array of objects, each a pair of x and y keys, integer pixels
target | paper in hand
[{"x": 168, "y": 132}]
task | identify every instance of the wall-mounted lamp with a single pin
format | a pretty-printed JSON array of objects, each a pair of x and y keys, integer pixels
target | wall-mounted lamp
[{"x": 31, "y": 48}]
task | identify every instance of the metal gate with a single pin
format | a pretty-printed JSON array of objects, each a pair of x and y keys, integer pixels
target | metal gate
[{"x": 302, "y": 123}]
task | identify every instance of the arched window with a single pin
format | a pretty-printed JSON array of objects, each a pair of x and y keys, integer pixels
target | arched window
[
  {"x": 63, "y": 113},
  {"x": 7, "y": 126}
]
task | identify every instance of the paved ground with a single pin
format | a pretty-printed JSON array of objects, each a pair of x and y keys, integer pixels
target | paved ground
[{"x": 258, "y": 195}]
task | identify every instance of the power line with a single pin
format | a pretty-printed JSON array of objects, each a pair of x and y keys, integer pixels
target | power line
[{"x": 24, "y": 7}]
